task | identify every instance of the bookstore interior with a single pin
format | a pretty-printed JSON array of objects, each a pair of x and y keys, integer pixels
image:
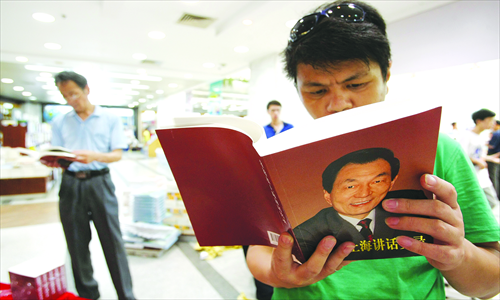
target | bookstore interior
[{"x": 189, "y": 59}]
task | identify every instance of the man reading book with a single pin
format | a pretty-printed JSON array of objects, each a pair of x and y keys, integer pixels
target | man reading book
[
  {"x": 353, "y": 186},
  {"x": 87, "y": 192},
  {"x": 339, "y": 59}
]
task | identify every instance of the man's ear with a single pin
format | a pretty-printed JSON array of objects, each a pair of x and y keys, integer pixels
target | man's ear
[
  {"x": 393, "y": 181},
  {"x": 328, "y": 198},
  {"x": 86, "y": 89}
]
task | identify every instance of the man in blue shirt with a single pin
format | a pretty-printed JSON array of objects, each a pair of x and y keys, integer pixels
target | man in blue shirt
[
  {"x": 276, "y": 126},
  {"x": 87, "y": 192}
]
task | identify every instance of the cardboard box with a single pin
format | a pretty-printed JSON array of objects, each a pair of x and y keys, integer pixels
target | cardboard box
[{"x": 38, "y": 279}]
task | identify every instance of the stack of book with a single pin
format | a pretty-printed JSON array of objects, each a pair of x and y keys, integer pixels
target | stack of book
[
  {"x": 150, "y": 207},
  {"x": 146, "y": 239}
]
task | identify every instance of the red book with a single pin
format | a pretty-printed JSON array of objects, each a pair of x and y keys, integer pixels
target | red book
[
  {"x": 240, "y": 188},
  {"x": 63, "y": 156},
  {"x": 38, "y": 279}
]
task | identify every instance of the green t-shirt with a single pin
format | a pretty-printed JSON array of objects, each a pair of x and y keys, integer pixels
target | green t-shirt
[{"x": 411, "y": 277}]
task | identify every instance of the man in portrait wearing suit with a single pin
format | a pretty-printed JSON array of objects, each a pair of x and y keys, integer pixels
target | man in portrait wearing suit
[{"x": 354, "y": 185}]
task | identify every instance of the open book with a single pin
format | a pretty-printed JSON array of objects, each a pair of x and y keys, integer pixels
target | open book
[
  {"x": 240, "y": 188},
  {"x": 63, "y": 156}
]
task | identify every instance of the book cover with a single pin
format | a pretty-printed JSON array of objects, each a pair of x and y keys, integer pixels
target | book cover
[
  {"x": 64, "y": 157},
  {"x": 241, "y": 189}
]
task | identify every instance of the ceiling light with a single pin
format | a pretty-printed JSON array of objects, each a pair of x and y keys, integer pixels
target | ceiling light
[
  {"x": 46, "y": 74},
  {"x": 208, "y": 65},
  {"x": 7, "y": 105},
  {"x": 26, "y": 94},
  {"x": 21, "y": 59},
  {"x": 241, "y": 49},
  {"x": 32, "y": 98},
  {"x": 188, "y": 76},
  {"x": 136, "y": 82},
  {"x": 247, "y": 22},
  {"x": 150, "y": 96},
  {"x": 159, "y": 92},
  {"x": 142, "y": 100},
  {"x": 43, "y": 17},
  {"x": 139, "y": 56},
  {"x": 52, "y": 46},
  {"x": 135, "y": 103},
  {"x": 43, "y": 68},
  {"x": 173, "y": 85},
  {"x": 7, "y": 80},
  {"x": 290, "y": 23},
  {"x": 18, "y": 88},
  {"x": 156, "y": 35},
  {"x": 131, "y": 105},
  {"x": 134, "y": 76}
]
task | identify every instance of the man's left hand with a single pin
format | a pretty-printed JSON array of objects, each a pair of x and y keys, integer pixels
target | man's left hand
[
  {"x": 85, "y": 156},
  {"x": 446, "y": 224}
]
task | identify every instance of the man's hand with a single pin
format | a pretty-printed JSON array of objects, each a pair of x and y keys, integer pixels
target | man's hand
[
  {"x": 284, "y": 272},
  {"x": 86, "y": 156},
  {"x": 471, "y": 269},
  {"x": 445, "y": 225}
]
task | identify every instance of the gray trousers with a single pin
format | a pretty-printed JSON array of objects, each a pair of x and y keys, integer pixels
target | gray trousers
[
  {"x": 83, "y": 200},
  {"x": 494, "y": 171}
]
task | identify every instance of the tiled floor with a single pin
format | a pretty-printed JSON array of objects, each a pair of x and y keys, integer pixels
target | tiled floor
[{"x": 178, "y": 274}]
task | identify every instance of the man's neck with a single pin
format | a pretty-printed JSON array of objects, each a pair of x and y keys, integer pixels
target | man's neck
[
  {"x": 477, "y": 129},
  {"x": 87, "y": 112},
  {"x": 276, "y": 123}
]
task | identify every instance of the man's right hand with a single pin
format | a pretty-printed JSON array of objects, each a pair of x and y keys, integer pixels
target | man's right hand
[{"x": 277, "y": 268}]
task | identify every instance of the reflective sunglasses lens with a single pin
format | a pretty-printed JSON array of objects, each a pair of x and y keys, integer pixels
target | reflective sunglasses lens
[
  {"x": 348, "y": 12},
  {"x": 303, "y": 26}
]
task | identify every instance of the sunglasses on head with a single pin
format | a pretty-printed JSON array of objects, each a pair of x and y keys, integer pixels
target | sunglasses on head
[{"x": 349, "y": 12}]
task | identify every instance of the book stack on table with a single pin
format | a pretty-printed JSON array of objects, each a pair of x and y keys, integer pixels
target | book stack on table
[
  {"x": 146, "y": 239},
  {"x": 149, "y": 207}
]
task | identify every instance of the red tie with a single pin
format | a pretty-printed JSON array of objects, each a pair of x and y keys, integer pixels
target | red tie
[{"x": 365, "y": 230}]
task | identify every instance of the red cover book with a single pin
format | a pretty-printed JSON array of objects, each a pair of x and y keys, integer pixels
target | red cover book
[
  {"x": 63, "y": 156},
  {"x": 242, "y": 189}
]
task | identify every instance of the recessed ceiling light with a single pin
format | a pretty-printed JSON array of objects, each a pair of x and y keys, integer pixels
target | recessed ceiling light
[
  {"x": 173, "y": 85},
  {"x": 43, "y": 17},
  {"x": 142, "y": 100},
  {"x": 188, "y": 76},
  {"x": 139, "y": 56},
  {"x": 43, "y": 68},
  {"x": 7, "y": 105},
  {"x": 52, "y": 46},
  {"x": 156, "y": 35},
  {"x": 21, "y": 59},
  {"x": 135, "y": 103},
  {"x": 208, "y": 65},
  {"x": 18, "y": 88},
  {"x": 131, "y": 105},
  {"x": 241, "y": 49},
  {"x": 32, "y": 98},
  {"x": 290, "y": 23},
  {"x": 135, "y": 82},
  {"x": 26, "y": 94},
  {"x": 247, "y": 22},
  {"x": 150, "y": 96},
  {"x": 159, "y": 92},
  {"x": 7, "y": 80}
]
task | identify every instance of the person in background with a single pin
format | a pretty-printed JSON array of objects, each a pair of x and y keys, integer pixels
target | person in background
[
  {"x": 454, "y": 132},
  {"x": 494, "y": 152},
  {"x": 475, "y": 147},
  {"x": 339, "y": 59},
  {"x": 277, "y": 125},
  {"x": 87, "y": 192}
]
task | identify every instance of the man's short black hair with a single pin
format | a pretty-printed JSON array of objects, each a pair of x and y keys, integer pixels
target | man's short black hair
[
  {"x": 498, "y": 122},
  {"x": 334, "y": 40},
  {"x": 273, "y": 102},
  {"x": 360, "y": 157},
  {"x": 75, "y": 77},
  {"x": 482, "y": 114}
]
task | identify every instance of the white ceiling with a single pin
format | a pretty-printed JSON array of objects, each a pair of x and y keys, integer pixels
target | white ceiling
[{"x": 100, "y": 37}]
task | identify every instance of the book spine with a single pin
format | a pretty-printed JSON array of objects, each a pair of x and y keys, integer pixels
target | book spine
[{"x": 283, "y": 217}]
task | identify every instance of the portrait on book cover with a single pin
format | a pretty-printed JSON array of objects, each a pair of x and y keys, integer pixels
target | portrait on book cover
[{"x": 354, "y": 186}]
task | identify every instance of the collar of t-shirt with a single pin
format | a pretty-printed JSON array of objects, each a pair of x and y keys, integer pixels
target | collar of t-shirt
[{"x": 355, "y": 221}]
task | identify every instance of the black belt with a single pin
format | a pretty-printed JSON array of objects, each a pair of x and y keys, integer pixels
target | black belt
[{"x": 87, "y": 173}]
